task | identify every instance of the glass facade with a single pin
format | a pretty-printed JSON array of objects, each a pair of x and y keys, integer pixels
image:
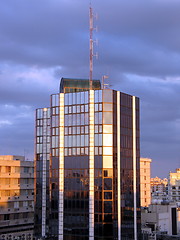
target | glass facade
[
  {"x": 88, "y": 170},
  {"x": 42, "y": 150}
]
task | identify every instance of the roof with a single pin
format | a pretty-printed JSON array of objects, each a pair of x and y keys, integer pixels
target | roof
[{"x": 69, "y": 85}]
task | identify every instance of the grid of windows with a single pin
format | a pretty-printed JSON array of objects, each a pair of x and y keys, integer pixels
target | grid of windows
[
  {"x": 42, "y": 167},
  {"x": 76, "y": 163}
]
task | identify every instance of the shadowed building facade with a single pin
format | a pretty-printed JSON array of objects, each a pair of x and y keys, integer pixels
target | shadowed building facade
[{"x": 87, "y": 164}]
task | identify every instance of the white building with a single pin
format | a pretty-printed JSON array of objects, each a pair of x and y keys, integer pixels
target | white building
[
  {"x": 159, "y": 190},
  {"x": 162, "y": 218},
  {"x": 174, "y": 186}
]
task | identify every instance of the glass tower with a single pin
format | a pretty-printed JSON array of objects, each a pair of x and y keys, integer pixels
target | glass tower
[{"x": 88, "y": 164}]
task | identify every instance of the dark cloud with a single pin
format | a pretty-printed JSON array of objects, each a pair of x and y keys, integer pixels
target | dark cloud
[{"x": 139, "y": 48}]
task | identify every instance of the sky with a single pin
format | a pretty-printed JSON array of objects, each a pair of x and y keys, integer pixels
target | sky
[{"x": 138, "y": 48}]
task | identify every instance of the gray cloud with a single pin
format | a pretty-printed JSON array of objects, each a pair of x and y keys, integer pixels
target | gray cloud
[{"x": 139, "y": 47}]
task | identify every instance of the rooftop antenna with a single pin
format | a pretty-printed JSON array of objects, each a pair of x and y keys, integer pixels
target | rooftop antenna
[{"x": 91, "y": 54}]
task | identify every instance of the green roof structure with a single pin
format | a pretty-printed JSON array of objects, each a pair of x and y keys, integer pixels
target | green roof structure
[{"x": 70, "y": 85}]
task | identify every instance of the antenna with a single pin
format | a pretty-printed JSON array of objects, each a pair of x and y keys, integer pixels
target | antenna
[{"x": 91, "y": 54}]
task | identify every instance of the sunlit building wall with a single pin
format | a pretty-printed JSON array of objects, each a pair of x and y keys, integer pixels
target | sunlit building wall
[
  {"x": 87, "y": 164},
  {"x": 174, "y": 186},
  {"x": 159, "y": 190},
  {"x": 145, "y": 181},
  {"x": 16, "y": 198}
]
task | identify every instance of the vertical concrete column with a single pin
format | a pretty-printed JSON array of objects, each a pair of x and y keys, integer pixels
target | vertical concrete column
[
  {"x": 61, "y": 165},
  {"x": 134, "y": 165},
  {"x": 119, "y": 163},
  {"x": 44, "y": 171},
  {"x": 91, "y": 165}
]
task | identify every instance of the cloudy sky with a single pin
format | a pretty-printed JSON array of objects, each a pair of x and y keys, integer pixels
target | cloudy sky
[{"x": 139, "y": 48}]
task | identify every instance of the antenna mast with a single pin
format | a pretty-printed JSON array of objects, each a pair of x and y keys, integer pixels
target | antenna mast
[
  {"x": 91, "y": 42},
  {"x": 90, "y": 45}
]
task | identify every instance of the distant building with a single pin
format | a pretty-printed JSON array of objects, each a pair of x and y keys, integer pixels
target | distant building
[
  {"x": 87, "y": 164},
  {"x": 145, "y": 177},
  {"x": 159, "y": 190},
  {"x": 174, "y": 186},
  {"x": 16, "y": 198}
]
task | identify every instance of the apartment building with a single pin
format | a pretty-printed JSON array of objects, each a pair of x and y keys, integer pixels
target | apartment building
[
  {"x": 16, "y": 198},
  {"x": 145, "y": 179}
]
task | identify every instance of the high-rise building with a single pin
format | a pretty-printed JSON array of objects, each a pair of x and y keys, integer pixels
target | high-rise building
[
  {"x": 145, "y": 181},
  {"x": 16, "y": 198},
  {"x": 174, "y": 186},
  {"x": 88, "y": 164}
]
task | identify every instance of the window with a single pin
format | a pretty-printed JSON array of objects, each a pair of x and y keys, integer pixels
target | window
[
  {"x": 16, "y": 215},
  {"x": 16, "y": 204},
  {"x": 6, "y": 217},
  {"x": 25, "y": 215},
  {"x": 8, "y": 169},
  {"x": 25, "y": 204},
  {"x": 17, "y": 169},
  {"x": 26, "y": 170}
]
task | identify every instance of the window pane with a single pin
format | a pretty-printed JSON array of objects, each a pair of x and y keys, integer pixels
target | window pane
[
  {"x": 107, "y": 140},
  {"x": 107, "y": 162},
  {"x": 107, "y": 118},
  {"x": 107, "y": 107},
  {"x": 107, "y": 150},
  {"x": 107, "y": 128}
]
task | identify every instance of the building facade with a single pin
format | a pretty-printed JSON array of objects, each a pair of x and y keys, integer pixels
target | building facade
[
  {"x": 159, "y": 190},
  {"x": 87, "y": 164},
  {"x": 174, "y": 186},
  {"x": 162, "y": 219},
  {"x": 145, "y": 181},
  {"x": 16, "y": 198}
]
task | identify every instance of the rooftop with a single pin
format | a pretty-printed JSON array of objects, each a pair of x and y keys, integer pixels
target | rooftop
[{"x": 69, "y": 85}]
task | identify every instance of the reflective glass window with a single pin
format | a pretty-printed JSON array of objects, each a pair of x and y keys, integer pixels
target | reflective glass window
[
  {"x": 82, "y": 140},
  {"x": 107, "y": 118},
  {"x": 78, "y": 98},
  {"x": 70, "y": 98},
  {"x": 86, "y": 129},
  {"x": 86, "y": 97},
  {"x": 107, "y": 128},
  {"x": 66, "y": 99},
  {"x": 82, "y": 119},
  {"x": 74, "y": 109},
  {"x": 107, "y": 162},
  {"x": 107, "y": 107},
  {"x": 86, "y": 108},
  {"x": 107, "y": 183},
  {"x": 107, "y": 150},
  {"x": 107, "y": 95},
  {"x": 107, "y": 140},
  {"x": 78, "y": 119},
  {"x": 70, "y": 109},
  {"x": 107, "y": 195},
  {"x": 78, "y": 109},
  {"x": 78, "y": 140}
]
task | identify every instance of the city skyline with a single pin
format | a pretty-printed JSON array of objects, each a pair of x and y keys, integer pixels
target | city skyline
[{"x": 138, "y": 48}]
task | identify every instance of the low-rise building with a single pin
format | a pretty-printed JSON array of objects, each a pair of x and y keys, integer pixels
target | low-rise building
[
  {"x": 145, "y": 176},
  {"x": 161, "y": 218},
  {"x": 16, "y": 198}
]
